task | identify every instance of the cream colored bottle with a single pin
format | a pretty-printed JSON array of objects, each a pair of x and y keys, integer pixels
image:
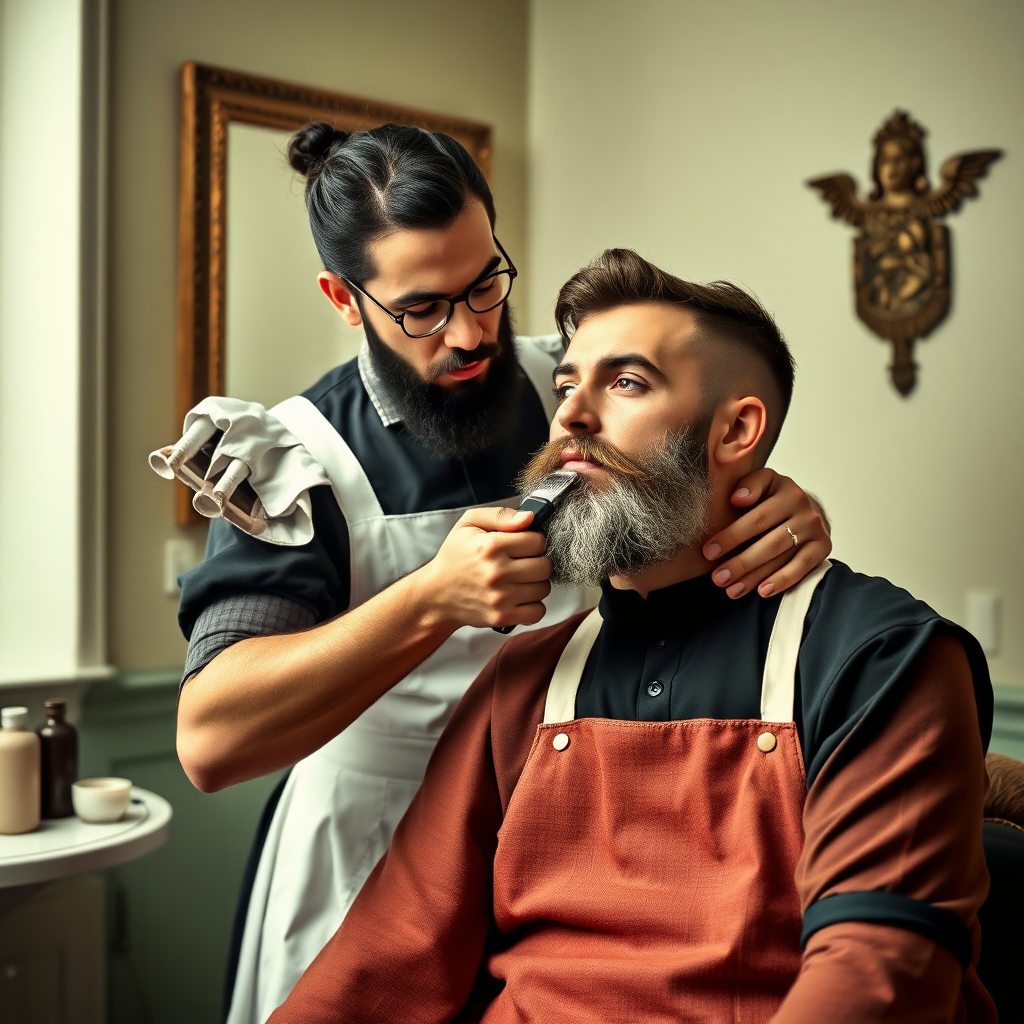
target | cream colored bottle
[{"x": 19, "y": 773}]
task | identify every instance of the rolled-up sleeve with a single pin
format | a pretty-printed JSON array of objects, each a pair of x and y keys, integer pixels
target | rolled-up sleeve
[
  {"x": 241, "y": 617},
  {"x": 314, "y": 575}
]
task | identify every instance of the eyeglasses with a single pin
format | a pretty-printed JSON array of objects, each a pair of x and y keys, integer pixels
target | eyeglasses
[{"x": 430, "y": 316}]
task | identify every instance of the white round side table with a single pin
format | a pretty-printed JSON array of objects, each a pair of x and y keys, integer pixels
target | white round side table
[{"x": 69, "y": 846}]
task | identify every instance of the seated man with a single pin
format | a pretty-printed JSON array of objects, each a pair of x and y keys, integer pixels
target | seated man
[{"x": 681, "y": 807}]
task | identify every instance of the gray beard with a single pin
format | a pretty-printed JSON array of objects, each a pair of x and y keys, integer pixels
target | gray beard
[{"x": 619, "y": 530}]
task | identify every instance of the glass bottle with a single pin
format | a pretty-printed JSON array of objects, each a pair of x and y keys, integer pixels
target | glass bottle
[
  {"x": 19, "y": 773},
  {"x": 59, "y": 740}
]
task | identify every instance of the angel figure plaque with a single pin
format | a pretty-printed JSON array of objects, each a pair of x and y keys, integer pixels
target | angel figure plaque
[{"x": 901, "y": 256}]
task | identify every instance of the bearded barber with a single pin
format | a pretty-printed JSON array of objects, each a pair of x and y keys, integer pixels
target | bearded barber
[{"x": 346, "y": 656}]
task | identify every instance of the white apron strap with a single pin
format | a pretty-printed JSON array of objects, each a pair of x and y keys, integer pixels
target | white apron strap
[
  {"x": 560, "y": 705},
  {"x": 538, "y": 357},
  {"x": 778, "y": 684},
  {"x": 352, "y": 489}
]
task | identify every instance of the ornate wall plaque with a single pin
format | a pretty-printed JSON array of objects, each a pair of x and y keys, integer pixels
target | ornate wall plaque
[{"x": 901, "y": 262}]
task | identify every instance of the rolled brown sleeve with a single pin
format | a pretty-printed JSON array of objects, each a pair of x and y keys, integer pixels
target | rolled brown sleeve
[{"x": 903, "y": 816}]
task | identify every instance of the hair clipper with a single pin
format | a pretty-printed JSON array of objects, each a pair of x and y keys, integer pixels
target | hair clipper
[{"x": 542, "y": 501}]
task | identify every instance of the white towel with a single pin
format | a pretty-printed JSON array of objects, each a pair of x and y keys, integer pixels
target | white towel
[{"x": 280, "y": 469}]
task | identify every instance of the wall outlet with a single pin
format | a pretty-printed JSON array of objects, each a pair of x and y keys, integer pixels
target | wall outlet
[
  {"x": 179, "y": 556},
  {"x": 984, "y": 608}
]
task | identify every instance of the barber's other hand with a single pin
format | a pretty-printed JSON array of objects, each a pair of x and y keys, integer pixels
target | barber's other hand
[
  {"x": 491, "y": 570},
  {"x": 773, "y": 563}
]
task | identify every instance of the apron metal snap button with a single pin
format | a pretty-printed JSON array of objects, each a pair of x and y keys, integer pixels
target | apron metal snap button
[
  {"x": 560, "y": 742},
  {"x": 655, "y": 688},
  {"x": 766, "y": 742}
]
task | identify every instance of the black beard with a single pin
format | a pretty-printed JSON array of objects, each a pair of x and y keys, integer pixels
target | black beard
[{"x": 463, "y": 420}]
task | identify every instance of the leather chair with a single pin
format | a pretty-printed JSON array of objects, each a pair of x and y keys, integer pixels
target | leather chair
[{"x": 1002, "y": 917}]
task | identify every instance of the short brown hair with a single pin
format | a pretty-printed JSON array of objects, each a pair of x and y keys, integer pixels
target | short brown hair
[{"x": 729, "y": 321}]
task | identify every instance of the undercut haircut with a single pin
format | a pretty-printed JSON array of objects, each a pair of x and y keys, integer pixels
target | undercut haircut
[{"x": 739, "y": 344}]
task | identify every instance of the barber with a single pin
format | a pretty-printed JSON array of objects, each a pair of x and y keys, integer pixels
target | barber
[{"x": 346, "y": 656}]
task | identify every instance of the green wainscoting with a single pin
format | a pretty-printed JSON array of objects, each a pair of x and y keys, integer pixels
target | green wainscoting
[{"x": 169, "y": 913}]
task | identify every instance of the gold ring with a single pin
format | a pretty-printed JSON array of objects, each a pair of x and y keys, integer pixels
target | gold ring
[{"x": 796, "y": 543}]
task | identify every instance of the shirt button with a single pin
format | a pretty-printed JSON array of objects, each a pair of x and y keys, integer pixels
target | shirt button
[
  {"x": 661, "y": 643},
  {"x": 560, "y": 742},
  {"x": 655, "y": 689},
  {"x": 766, "y": 742}
]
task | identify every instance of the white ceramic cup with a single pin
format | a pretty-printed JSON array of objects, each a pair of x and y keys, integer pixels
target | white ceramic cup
[{"x": 101, "y": 800}]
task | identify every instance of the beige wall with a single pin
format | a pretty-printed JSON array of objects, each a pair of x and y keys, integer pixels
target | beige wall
[
  {"x": 453, "y": 56},
  {"x": 280, "y": 332},
  {"x": 686, "y": 130}
]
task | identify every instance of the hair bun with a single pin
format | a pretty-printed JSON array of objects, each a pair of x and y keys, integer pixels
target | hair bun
[{"x": 312, "y": 144}]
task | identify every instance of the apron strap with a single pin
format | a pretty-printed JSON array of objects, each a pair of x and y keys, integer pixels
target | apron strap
[
  {"x": 560, "y": 705},
  {"x": 778, "y": 685},
  {"x": 352, "y": 488},
  {"x": 538, "y": 357}
]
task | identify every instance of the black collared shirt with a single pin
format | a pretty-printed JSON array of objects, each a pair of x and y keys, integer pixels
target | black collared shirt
[
  {"x": 666, "y": 658},
  {"x": 689, "y": 651}
]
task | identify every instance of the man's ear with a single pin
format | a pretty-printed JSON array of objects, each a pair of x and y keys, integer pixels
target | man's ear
[
  {"x": 739, "y": 425},
  {"x": 340, "y": 297}
]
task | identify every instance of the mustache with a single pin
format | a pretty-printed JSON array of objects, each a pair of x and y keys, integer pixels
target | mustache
[
  {"x": 590, "y": 449},
  {"x": 460, "y": 357}
]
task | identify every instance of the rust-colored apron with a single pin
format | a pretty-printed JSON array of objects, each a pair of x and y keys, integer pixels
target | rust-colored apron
[{"x": 645, "y": 870}]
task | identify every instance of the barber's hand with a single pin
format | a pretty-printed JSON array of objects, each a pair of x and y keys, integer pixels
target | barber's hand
[
  {"x": 775, "y": 561},
  {"x": 491, "y": 570}
]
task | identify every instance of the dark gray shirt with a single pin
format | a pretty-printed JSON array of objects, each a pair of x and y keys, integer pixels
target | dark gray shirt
[{"x": 239, "y": 617}]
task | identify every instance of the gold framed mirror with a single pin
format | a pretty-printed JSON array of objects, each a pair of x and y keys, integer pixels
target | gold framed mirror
[{"x": 230, "y": 122}]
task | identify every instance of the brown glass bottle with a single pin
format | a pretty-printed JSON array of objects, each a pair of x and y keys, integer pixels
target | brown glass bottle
[{"x": 59, "y": 761}]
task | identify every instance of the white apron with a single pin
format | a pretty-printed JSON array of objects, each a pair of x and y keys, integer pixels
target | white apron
[{"x": 341, "y": 804}]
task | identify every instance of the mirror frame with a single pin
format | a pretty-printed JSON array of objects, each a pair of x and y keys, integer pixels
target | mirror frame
[{"x": 211, "y": 98}]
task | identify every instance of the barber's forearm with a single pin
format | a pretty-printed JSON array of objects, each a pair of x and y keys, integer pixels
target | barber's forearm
[
  {"x": 857, "y": 973},
  {"x": 265, "y": 703}
]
